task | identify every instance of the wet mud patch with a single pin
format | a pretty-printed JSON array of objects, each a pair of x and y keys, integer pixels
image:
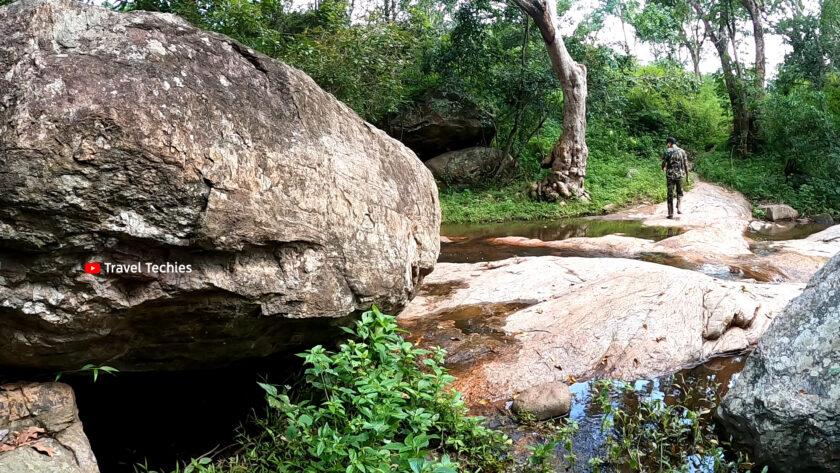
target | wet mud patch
[
  {"x": 441, "y": 289},
  {"x": 470, "y": 334}
]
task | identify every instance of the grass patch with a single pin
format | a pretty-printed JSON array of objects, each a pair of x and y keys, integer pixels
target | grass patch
[
  {"x": 621, "y": 181},
  {"x": 763, "y": 180}
]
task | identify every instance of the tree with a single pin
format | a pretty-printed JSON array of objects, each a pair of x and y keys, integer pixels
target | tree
[
  {"x": 675, "y": 25},
  {"x": 720, "y": 19},
  {"x": 568, "y": 157}
]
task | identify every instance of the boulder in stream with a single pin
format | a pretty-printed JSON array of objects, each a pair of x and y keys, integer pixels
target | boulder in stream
[
  {"x": 777, "y": 212},
  {"x": 256, "y": 208},
  {"x": 785, "y": 406},
  {"x": 544, "y": 401}
]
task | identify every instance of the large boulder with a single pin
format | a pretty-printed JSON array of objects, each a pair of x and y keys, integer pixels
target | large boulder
[
  {"x": 442, "y": 123},
  {"x": 785, "y": 406},
  {"x": 129, "y": 138},
  {"x": 468, "y": 166},
  {"x": 777, "y": 212},
  {"x": 40, "y": 430}
]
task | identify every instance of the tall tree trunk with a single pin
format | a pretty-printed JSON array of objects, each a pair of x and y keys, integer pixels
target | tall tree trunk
[
  {"x": 568, "y": 157},
  {"x": 695, "y": 58},
  {"x": 755, "y": 10},
  {"x": 734, "y": 86}
]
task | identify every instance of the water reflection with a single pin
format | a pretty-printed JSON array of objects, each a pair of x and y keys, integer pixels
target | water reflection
[
  {"x": 468, "y": 243},
  {"x": 692, "y": 388}
]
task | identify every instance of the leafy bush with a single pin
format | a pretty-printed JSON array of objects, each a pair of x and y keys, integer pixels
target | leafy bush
[{"x": 378, "y": 405}]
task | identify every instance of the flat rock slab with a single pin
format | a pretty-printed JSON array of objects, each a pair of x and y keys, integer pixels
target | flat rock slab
[{"x": 513, "y": 324}]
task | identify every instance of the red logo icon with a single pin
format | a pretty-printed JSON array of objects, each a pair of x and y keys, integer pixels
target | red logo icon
[{"x": 92, "y": 268}]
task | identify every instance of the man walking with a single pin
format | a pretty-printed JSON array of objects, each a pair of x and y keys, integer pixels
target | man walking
[{"x": 674, "y": 164}]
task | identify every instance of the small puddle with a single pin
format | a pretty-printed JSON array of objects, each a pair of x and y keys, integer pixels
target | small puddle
[
  {"x": 469, "y": 242},
  {"x": 785, "y": 231},
  {"x": 468, "y": 333}
]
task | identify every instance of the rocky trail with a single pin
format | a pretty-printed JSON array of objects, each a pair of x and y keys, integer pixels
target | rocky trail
[{"x": 518, "y": 322}]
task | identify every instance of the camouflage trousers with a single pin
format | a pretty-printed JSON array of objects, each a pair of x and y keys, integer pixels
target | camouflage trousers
[{"x": 674, "y": 184}]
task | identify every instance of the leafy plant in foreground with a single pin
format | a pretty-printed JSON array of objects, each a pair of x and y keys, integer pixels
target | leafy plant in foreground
[
  {"x": 377, "y": 405},
  {"x": 665, "y": 437}
]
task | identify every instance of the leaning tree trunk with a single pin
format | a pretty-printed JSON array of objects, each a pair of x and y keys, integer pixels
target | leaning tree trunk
[{"x": 567, "y": 158}]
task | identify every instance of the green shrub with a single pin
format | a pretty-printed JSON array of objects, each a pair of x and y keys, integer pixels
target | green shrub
[{"x": 377, "y": 405}]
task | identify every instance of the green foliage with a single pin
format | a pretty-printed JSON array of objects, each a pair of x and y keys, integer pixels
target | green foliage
[
  {"x": 92, "y": 369},
  {"x": 763, "y": 179},
  {"x": 668, "y": 437},
  {"x": 377, "y": 405},
  {"x": 541, "y": 456},
  {"x": 622, "y": 170}
]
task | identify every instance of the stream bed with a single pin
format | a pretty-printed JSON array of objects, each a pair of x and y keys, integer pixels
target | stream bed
[{"x": 165, "y": 418}]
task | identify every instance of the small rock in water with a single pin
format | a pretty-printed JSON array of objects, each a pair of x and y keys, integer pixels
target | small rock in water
[
  {"x": 824, "y": 219},
  {"x": 544, "y": 401},
  {"x": 757, "y": 225}
]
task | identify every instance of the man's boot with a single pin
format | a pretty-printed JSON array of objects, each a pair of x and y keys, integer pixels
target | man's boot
[
  {"x": 679, "y": 201},
  {"x": 670, "y": 208}
]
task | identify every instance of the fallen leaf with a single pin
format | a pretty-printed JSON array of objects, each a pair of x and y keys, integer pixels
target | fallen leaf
[
  {"x": 44, "y": 449},
  {"x": 484, "y": 402},
  {"x": 572, "y": 379},
  {"x": 31, "y": 433}
]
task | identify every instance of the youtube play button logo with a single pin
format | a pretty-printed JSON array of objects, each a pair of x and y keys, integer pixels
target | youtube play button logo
[{"x": 92, "y": 268}]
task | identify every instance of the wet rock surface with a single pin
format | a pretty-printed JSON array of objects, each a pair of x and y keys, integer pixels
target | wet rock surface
[
  {"x": 584, "y": 317},
  {"x": 130, "y": 138},
  {"x": 785, "y": 407},
  {"x": 611, "y": 302},
  {"x": 40, "y": 430},
  {"x": 544, "y": 401}
]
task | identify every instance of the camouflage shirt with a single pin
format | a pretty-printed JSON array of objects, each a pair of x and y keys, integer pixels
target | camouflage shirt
[{"x": 675, "y": 162}]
